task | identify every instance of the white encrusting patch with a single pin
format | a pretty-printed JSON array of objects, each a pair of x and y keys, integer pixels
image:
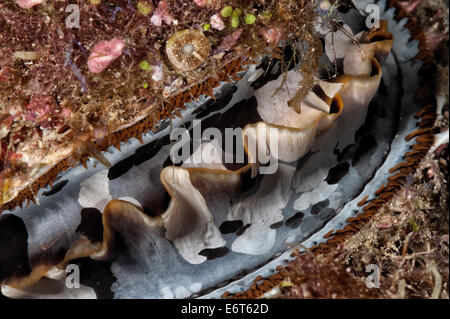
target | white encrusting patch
[{"x": 94, "y": 191}]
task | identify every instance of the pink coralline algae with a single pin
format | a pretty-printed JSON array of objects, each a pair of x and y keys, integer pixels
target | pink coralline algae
[
  {"x": 43, "y": 111},
  {"x": 272, "y": 35},
  {"x": 5, "y": 74},
  {"x": 410, "y": 6},
  {"x": 200, "y": 3},
  {"x": 229, "y": 41},
  {"x": 203, "y": 3},
  {"x": 162, "y": 14},
  {"x": 104, "y": 53},
  {"x": 27, "y": 4},
  {"x": 434, "y": 40},
  {"x": 158, "y": 72},
  {"x": 37, "y": 107},
  {"x": 217, "y": 23}
]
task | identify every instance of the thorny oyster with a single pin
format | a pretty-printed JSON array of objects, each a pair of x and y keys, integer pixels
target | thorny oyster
[{"x": 302, "y": 107}]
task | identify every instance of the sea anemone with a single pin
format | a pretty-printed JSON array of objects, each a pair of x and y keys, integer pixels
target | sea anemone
[{"x": 188, "y": 49}]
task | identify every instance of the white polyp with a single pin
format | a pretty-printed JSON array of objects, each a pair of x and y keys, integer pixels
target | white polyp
[{"x": 188, "y": 49}]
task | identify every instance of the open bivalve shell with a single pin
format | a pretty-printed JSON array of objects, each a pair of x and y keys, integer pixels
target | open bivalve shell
[{"x": 204, "y": 227}]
